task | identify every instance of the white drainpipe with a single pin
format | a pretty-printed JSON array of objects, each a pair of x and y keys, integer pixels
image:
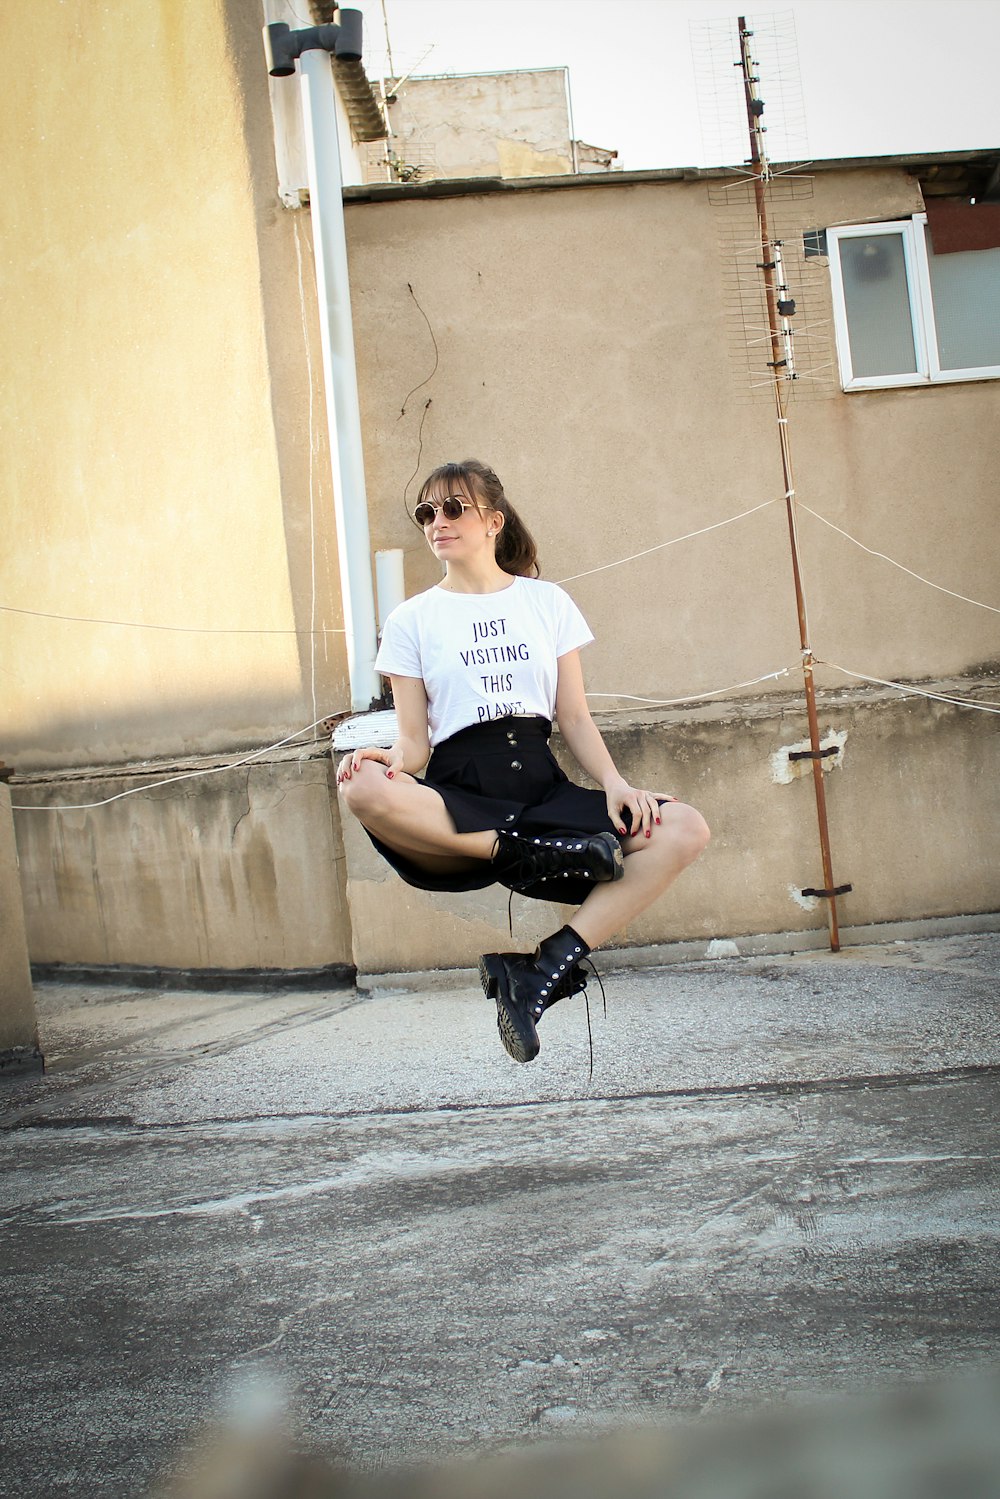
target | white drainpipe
[{"x": 319, "y": 118}]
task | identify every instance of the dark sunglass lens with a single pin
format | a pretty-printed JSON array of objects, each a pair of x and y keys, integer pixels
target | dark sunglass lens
[
  {"x": 424, "y": 514},
  {"x": 453, "y": 508}
]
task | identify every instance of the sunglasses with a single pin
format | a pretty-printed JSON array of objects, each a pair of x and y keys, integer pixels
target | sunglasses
[{"x": 452, "y": 508}]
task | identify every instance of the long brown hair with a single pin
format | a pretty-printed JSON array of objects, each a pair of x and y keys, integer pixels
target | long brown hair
[{"x": 516, "y": 550}]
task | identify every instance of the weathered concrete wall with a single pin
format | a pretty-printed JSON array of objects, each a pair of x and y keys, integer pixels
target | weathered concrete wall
[
  {"x": 242, "y": 869},
  {"x": 913, "y": 799},
  {"x": 18, "y": 1024},
  {"x": 484, "y": 124}
]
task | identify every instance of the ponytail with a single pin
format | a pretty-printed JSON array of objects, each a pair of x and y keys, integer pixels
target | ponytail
[{"x": 516, "y": 551}]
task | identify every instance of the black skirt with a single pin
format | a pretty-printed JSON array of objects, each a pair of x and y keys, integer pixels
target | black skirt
[{"x": 504, "y": 775}]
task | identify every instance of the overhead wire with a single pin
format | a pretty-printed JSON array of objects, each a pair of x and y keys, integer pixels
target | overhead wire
[
  {"x": 904, "y": 688},
  {"x": 691, "y": 697},
  {"x": 138, "y": 624},
  {"x": 186, "y": 775},
  {"x": 437, "y": 354},
  {"x": 702, "y": 531},
  {"x": 908, "y": 688},
  {"x": 572, "y": 578},
  {"x": 886, "y": 558},
  {"x": 419, "y": 386}
]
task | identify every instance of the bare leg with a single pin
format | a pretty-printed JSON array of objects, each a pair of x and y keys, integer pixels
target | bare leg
[
  {"x": 651, "y": 866},
  {"x": 412, "y": 818}
]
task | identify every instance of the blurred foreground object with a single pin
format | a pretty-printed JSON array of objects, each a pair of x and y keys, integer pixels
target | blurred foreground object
[{"x": 933, "y": 1441}]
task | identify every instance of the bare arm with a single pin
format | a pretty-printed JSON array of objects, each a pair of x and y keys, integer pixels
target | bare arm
[
  {"x": 630, "y": 810},
  {"x": 412, "y": 748}
]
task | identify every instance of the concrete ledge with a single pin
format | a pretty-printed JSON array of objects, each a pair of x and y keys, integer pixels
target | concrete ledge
[
  {"x": 913, "y": 796},
  {"x": 244, "y": 876},
  {"x": 662, "y": 955}
]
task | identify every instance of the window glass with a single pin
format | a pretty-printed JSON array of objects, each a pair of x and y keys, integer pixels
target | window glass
[
  {"x": 965, "y": 289},
  {"x": 878, "y": 305}
]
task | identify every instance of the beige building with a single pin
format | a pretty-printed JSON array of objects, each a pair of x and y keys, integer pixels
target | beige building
[
  {"x": 172, "y": 601},
  {"x": 513, "y": 124}
]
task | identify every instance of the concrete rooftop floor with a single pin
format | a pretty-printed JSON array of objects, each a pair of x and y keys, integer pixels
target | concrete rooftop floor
[{"x": 780, "y": 1183}]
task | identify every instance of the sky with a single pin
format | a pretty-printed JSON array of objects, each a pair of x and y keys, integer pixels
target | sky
[{"x": 651, "y": 78}]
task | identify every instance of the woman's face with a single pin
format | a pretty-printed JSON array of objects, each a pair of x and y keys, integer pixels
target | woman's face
[{"x": 464, "y": 537}]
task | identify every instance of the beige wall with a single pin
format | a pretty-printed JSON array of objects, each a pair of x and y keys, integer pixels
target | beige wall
[
  {"x": 586, "y": 348},
  {"x": 150, "y": 469},
  {"x": 483, "y": 125}
]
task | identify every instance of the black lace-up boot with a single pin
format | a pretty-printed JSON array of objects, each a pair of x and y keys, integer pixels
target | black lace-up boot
[
  {"x": 524, "y": 987},
  {"x": 522, "y": 860}
]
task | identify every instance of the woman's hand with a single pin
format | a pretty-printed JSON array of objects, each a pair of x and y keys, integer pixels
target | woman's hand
[
  {"x": 392, "y": 759},
  {"x": 632, "y": 811}
]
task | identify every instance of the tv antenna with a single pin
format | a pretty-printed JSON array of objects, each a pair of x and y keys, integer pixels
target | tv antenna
[
  {"x": 781, "y": 308},
  {"x": 771, "y": 272}
]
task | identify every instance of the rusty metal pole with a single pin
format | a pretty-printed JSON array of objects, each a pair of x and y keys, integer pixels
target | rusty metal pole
[{"x": 779, "y": 361}]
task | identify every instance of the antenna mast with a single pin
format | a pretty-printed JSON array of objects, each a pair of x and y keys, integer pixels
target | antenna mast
[{"x": 780, "y": 310}]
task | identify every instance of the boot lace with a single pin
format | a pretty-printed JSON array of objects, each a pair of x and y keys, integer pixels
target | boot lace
[
  {"x": 535, "y": 863},
  {"x": 586, "y": 1001},
  {"x": 586, "y": 1004}
]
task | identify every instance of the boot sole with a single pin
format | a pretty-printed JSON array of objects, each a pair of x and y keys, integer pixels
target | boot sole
[
  {"x": 518, "y": 1043},
  {"x": 617, "y": 857}
]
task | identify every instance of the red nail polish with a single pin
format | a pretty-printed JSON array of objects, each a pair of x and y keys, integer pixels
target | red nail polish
[
  {"x": 389, "y": 774},
  {"x": 657, "y": 822},
  {"x": 622, "y": 831},
  {"x": 649, "y": 832}
]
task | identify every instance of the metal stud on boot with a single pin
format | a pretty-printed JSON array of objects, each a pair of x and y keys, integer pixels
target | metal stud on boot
[
  {"x": 522, "y": 860},
  {"x": 558, "y": 960}
]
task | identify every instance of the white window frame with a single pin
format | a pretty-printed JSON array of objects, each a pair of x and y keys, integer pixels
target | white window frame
[{"x": 918, "y": 285}]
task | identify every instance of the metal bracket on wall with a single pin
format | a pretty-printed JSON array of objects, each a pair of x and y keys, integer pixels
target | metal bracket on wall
[
  {"x": 827, "y": 894},
  {"x": 819, "y": 754}
]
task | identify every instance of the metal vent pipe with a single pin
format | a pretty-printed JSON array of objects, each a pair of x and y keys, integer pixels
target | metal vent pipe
[{"x": 326, "y": 199}]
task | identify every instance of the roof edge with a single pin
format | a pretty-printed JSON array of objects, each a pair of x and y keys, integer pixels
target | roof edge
[{"x": 459, "y": 187}]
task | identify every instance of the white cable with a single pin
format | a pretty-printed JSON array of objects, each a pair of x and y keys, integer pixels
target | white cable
[
  {"x": 673, "y": 542},
  {"x": 692, "y": 697},
  {"x": 187, "y": 775},
  {"x": 330, "y": 630},
  {"x": 872, "y": 553},
  {"x": 940, "y": 697},
  {"x": 135, "y": 624}
]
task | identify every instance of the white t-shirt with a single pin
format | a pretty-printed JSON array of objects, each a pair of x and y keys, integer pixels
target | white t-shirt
[{"x": 483, "y": 656}]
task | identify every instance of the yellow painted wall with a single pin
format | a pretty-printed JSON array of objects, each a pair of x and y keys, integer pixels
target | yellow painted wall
[{"x": 142, "y": 460}]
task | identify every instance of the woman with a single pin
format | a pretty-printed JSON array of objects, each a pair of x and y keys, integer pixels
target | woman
[{"x": 480, "y": 665}]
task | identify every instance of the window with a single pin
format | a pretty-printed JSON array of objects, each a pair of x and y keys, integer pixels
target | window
[{"x": 905, "y": 316}]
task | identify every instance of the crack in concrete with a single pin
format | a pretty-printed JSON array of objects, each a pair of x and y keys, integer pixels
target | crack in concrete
[
  {"x": 773, "y": 1091},
  {"x": 249, "y": 808}
]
